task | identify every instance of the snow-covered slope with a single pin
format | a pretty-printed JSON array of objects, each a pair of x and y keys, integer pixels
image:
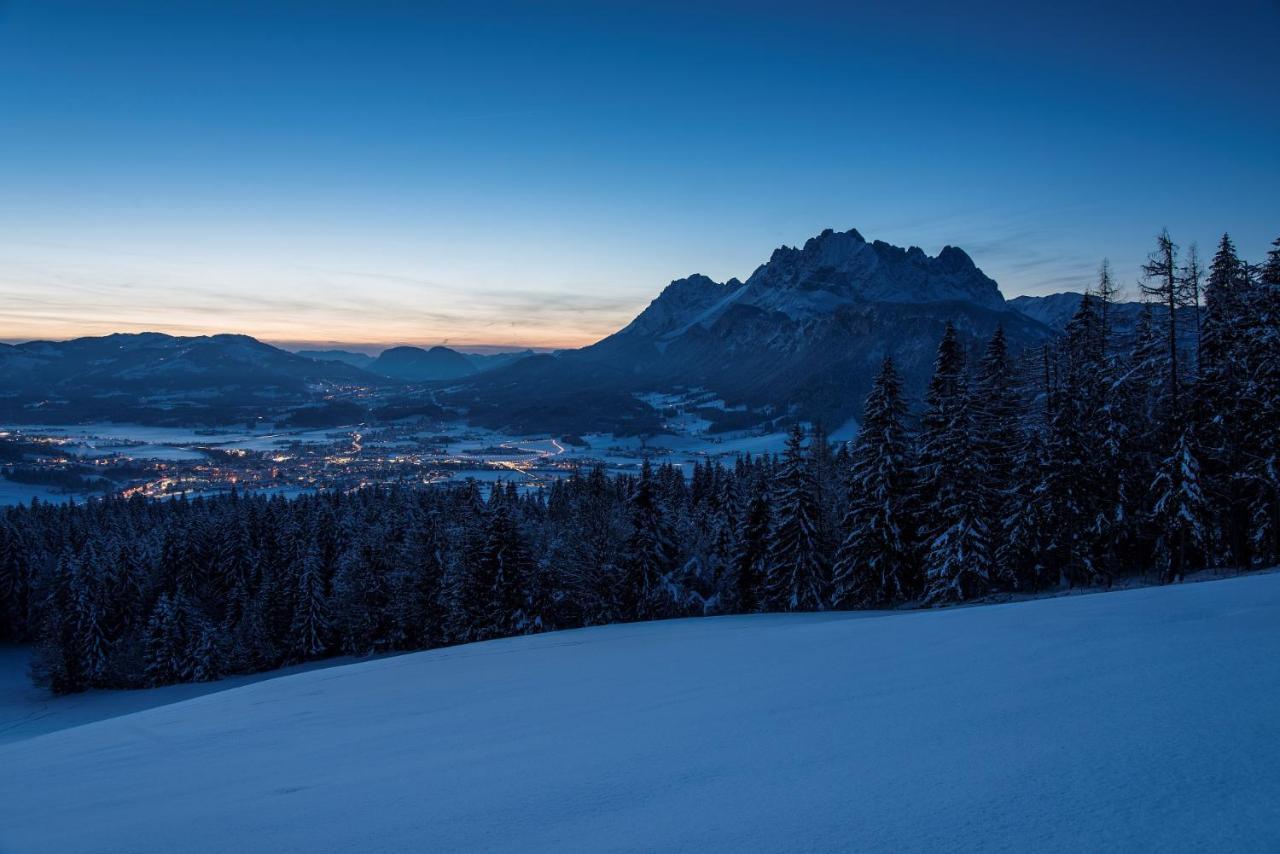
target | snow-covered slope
[{"x": 1139, "y": 720}]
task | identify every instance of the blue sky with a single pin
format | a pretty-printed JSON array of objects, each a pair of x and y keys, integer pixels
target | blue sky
[{"x": 534, "y": 173}]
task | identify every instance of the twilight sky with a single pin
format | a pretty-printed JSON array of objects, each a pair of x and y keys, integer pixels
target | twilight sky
[{"x": 534, "y": 173}]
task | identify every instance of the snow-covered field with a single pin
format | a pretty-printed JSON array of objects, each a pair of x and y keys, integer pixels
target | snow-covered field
[
  {"x": 27, "y": 711},
  {"x": 1142, "y": 720}
]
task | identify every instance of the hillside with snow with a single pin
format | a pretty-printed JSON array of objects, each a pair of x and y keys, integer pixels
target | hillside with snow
[{"x": 1136, "y": 720}]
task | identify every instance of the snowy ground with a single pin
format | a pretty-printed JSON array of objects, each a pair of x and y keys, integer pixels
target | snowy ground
[
  {"x": 12, "y": 492},
  {"x": 1135, "y": 720},
  {"x": 27, "y": 711}
]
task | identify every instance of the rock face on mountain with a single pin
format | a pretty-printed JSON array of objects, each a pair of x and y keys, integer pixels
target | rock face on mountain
[
  {"x": 803, "y": 336},
  {"x": 839, "y": 267},
  {"x": 415, "y": 364},
  {"x": 156, "y": 378}
]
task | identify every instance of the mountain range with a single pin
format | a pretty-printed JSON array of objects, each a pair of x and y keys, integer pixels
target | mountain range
[
  {"x": 802, "y": 337},
  {"x": 415, "y": 364},
  {"x": 157, "y": 378}
]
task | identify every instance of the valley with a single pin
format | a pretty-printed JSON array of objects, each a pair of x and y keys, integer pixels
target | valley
[{"x": 60, "y": 462}]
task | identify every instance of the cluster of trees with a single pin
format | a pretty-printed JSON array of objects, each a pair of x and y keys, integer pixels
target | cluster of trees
[{"x": 1071, "y": 464}]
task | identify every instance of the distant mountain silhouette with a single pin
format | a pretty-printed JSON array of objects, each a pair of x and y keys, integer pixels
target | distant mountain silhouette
[
  {"x": 415, "y": 364},
  {"x": 346, "y": 357},
  {"x": 157, "y": 378}
]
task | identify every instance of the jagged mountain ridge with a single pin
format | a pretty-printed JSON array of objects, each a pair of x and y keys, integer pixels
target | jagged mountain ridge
[
  {"x": 803, "y": 335},
  {"x": 829, "y": 271}
]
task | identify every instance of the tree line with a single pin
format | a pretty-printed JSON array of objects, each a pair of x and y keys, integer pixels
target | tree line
[{"x": 1095, "y": 456}]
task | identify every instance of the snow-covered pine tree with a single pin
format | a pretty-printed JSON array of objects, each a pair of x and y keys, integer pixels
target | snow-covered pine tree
[
  {"x": 418, "y": 584},
  {"x": 957, "y": 561},
  {"x": 59, "y": 662},
  {"x": 751, "y": 546},
  {"x": 90, "y": 610},
  {"x": 309, "y": 634},
  {"x": 1075, "y": 484},
  {"x": 1220, "y": 396},
  {"x": 1179, "y": 511},
  {"x": 492, "y": 598},
  {"x": 1140, "y": 403},
  {"x": 1261, "y": 432},
  {"x": 797, "y": 573},
  {"x": 718, "y": 580},
  {"x": 832, "y": 490},
  {"x": 647, "y": 558},
  {"x": 15, "y": 583},
  {"x": 997, "y": 412},
  {"x": 876, "y": 563},
  {"x": 1020, "y": 549},
  {"x": 180, "y": 645},
  {"x": 360, "y": 593}
]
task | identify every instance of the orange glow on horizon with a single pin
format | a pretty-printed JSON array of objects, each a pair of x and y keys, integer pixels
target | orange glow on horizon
[{"x": 290, "y": 340}]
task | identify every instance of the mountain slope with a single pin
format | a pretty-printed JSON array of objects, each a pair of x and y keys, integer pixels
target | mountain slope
[
  {"x": 1137, "y": 720},
  {"x": 803, "y": 335}
]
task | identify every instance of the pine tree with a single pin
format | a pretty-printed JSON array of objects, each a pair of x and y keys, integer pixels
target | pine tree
[
  {"x": 14, "y": 584},
  {"x": 1189, "y": 287},
  {"x": 180, "y": 646},
  {"x": 876, "y": 562},
  {"x": 1220, "y": 394},
  {"x": 957, "y": 549},
  {"x": 1160, "y": 282},
  {"x": 751, "y": 548},
  {"x": 89, "y": 601},
  {"x": 996, "y": 414},
  {"x": 493, "y": 597},
  {"x": 1021, "y": 552},
  {"x": 647, "y": 559},
  {"x": 309, "y": 634},
  {"x": 59, "y": 661},
  {"x": 797, "y": 575},
  {"x": 1075, "y": 482},
  {"x": 1105, "y": 293},
  {"x": 1179, "y": 510},
  {"x": 418, "y": 584},
  {"x": 360, "y": 593},
  {"x": 1261, "y": 432}
]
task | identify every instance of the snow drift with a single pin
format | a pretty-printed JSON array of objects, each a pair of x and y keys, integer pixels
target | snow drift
[{"x": 1138, "y": 720}]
